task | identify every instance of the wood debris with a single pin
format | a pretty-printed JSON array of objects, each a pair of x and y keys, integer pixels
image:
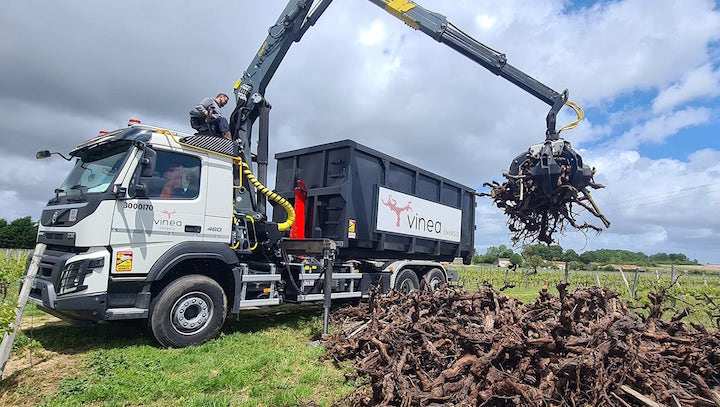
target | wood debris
[
  {"x": 535, "y": 215},
  {"x": 454, "y": 347}
]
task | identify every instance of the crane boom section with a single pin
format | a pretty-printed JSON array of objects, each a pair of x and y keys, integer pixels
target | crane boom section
[{"x": 440, "y": 29}]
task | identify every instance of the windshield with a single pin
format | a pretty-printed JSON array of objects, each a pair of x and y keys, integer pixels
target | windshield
[{"x": 96, "y": 168}]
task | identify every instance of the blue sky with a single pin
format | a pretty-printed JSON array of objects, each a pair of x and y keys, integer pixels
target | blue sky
[{"x": 678, "y": 146}]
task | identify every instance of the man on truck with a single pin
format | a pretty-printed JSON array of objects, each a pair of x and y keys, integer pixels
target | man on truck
[{"x": 206, "y": 116}]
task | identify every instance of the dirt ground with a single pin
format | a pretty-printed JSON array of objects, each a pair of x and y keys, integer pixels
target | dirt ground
[
  {"x": 711, "y": 268},
  {"x": 35, "y": 372}
]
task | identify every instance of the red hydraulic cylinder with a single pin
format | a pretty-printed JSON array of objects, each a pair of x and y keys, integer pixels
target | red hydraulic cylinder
[{"x": 297, "y": 231}]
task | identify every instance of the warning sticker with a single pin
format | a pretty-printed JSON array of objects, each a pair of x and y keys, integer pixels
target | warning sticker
[
  {"x": 351, "y": 229},
  {"x": 123, "y": 261}
]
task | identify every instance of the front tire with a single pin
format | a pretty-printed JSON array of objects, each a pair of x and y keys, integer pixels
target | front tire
[{"x": 189, "y": 311}]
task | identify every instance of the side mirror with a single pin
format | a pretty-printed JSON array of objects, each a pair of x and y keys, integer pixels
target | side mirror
[
  {"x": 148, "y": 162},
  {"x": 146, "y": 169},
  {"x": 46, "y": 153}
]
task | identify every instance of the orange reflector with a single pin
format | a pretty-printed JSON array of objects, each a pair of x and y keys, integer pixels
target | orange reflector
[{"x": 266, "y": 290}]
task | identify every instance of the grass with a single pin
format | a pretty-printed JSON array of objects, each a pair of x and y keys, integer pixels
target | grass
[{"x": 264, "y": 359}]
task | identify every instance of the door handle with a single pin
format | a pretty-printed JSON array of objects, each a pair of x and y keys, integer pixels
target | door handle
[{"x": 193, "y": 229}]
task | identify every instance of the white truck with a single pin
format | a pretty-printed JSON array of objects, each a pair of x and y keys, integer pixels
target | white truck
[
  {"x": 146, "y": 226},
  {"x": 171, "y": 227}
]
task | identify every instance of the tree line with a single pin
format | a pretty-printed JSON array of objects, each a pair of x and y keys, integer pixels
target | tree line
[
  {"x": 18, "y": 234},
  {"x": 531, "y": 254}
]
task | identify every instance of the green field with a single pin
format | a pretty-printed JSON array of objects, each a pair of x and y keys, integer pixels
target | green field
[
  {"x": 267, "y": 358},
  {"x": 695, "y": 290}
]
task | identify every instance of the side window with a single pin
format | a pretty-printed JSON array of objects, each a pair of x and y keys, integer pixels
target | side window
[{"x": 177, "y": 176}]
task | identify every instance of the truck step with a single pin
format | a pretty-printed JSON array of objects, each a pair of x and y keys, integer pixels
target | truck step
[
  {"x": 260, "y": 278},
  {"x": 259, "y": 302},
  {"x": 126, "y": 313},
  {"x": 320, "y": 297}
]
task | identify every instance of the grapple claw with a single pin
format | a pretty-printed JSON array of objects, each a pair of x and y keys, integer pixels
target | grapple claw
[
  {"x": 542, "y": 184},
  {"x": 552, "y": 165}
]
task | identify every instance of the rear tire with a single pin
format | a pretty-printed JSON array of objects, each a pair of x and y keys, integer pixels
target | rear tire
[
  {"x": 433, "y": 279},
  {"x": 406, "y": 281},
  {"x": 189, "y": 311}
]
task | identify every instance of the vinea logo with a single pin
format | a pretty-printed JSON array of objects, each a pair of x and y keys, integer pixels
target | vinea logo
[
  {"x": 392, "y": 205},
  {"x": 169, "y": 221},
  {"x": 411, "y": 215}
]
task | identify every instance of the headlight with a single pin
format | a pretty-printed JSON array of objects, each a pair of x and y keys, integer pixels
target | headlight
[{"x": 73, "y": 276}]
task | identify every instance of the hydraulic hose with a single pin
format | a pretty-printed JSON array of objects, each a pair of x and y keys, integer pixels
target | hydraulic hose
[
  {"x": 245, "y": 168},
  {"x": 578, "y": 111}
]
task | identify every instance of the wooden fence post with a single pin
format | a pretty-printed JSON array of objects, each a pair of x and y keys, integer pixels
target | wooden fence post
[{"x": 9, "y": 338}]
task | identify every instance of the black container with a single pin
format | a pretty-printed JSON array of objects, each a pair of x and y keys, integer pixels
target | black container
[{"x": 345, "y": 181}]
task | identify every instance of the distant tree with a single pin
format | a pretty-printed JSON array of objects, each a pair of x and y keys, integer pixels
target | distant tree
[
  {"x": 672, "y": 258},
  {"x": 659, "y": 257},
  {"x": 555, "y": 252},
  {"x": 5, "y": 236},
  {"x": 483, "y": 259},
  {"x": 534, "y": 261},
  {"x": 588, "y": 257},
  {"x": 492, "y": 254},
  {"x": 18, "y": 234},
  {"x": 500, "y": 251},
  {"x": 570, "y": 255},
  {"x": 516, "y": 260},
  {"x": 549, "y": 253},
  {"x": 531, "y": 250},
  {"x": 612, "y": 256}
]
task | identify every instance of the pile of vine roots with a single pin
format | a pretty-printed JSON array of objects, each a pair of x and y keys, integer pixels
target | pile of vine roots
[
  {"x": 454, "y": 347},
  {"x": 534, "y": 215}
]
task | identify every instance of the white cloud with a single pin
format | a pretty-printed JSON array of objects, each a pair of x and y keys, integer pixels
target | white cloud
[
  {"x": 664, "y": 205},
  {"x": 657, "y": 129},
  {"x": 373, "y": 34},
  {"x": 700, "y": 82}
]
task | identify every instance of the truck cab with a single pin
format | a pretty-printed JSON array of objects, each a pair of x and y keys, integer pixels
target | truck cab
[{"x": 132, "y": 197}]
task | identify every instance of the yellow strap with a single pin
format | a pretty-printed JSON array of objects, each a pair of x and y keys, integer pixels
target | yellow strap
[{"x": 578, "y": 111}]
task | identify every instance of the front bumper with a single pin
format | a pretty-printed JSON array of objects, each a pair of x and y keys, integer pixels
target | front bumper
[
  {"x": 88, "y": 307},
  {"x": 74, "y": 286}
]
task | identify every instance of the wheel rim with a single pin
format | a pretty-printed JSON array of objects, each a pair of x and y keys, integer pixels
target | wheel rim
[
  {"x": 435, "y": 282},
  {"x": 191, "y": 313},
  {"x": 406, "y": 286}
]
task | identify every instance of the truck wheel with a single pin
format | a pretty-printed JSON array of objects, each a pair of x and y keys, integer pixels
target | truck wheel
[
  {"x": 433, "y": 279},
  {"x": 189, "y": 311},
  {"x": 406, "y": 281}
]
